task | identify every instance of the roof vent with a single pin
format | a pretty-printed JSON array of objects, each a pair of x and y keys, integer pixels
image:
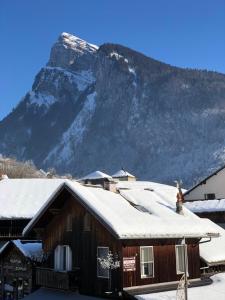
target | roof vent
[{"x": 110, "y": 185}]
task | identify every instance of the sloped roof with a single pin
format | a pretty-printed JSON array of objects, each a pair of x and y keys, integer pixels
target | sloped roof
[
  {"x": 30, "y": 249},
  {"x": 122, "y": 173},
  {"x": 22, "y": 198},
  {"x": 204, "y": 206},
  {"x": 96, "y": 175},
  {"x": 119, "y": 214},
  {"x": 205, "y": 179},
  {"x": 213, "y": 252}
]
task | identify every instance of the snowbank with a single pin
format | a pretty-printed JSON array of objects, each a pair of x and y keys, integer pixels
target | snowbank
[{"x": 209, "y": 292}]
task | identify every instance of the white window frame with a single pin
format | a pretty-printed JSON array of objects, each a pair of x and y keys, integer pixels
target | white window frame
[
  {"x": 98, "y": 263},
  {"x": 58, "y": 260},
  {"x": 147, "y": 262},
  {"x": 178, "y": 267}
]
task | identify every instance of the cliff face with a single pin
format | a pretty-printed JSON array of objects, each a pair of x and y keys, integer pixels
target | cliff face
[{"x": 102, "y": 108}]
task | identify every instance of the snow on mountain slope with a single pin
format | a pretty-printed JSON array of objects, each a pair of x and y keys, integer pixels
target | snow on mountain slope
[
  {"x": 105, "y": 107},
  {"x": 74, "y": 135}
]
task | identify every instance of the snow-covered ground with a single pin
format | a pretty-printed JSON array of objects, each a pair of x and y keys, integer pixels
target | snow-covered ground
[{"x": 214, "y": 291}]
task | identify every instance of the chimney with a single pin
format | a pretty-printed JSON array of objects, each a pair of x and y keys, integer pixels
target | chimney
[
  {"x": 110, "y": 185},
  {"x": 180, "y": 199}
]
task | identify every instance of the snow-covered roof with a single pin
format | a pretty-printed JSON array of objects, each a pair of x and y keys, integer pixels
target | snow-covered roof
[
  {"x": 213, "y": 252},
  {"x": 30, "y": 249},
  {"x": 122, "y": 173},
  {"x": 121, "y": 212},
  {"x": 96, "y": 175},
  {"x": 206, "y": 205},
  {"x": 22, "y": 198}
]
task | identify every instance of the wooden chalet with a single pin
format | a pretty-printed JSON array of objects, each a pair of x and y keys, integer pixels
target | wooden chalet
[
  {"x": 18, "y": 261},
  {"x": 21, "y": 199},
  {"x": 100, "y": 241}
]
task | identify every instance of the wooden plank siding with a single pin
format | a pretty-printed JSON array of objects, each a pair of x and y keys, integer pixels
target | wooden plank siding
[
  {"x": 16, "y": 268},
  {"x": 164, "y": 263},
  {"x": 83, "y": 244},
  {"x": 12, "y": 228},
  {"x": 52, "y": 229}
]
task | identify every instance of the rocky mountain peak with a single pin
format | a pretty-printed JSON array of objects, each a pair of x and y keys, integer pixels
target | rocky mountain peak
[
  {"x": 99, "y": 108},
  {"x": 67, "y": 49},
  {"x": 71, "y": 41}
]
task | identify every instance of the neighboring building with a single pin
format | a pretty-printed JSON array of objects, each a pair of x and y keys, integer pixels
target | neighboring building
[
  {"x": 213, "y": 253},
  {"x": 20, "y": 199},
  {"x": 96, "y": 178},
  {"x": 207, "y": 198},
  {"x": 123, "y": 176},
  {"x": 18, "y": 260},
  {"x": 138, "y": 227}
]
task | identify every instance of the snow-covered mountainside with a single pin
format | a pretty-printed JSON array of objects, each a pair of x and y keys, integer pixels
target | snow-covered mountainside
[{"x": 100, "y": 108}]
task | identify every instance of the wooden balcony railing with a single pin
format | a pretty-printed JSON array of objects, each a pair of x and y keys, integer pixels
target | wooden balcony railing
[
  {"x": 59, "y": 280},
  {"x": 11, "y": 232}
]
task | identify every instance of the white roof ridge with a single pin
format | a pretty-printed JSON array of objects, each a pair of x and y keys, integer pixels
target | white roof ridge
[
  {"x": 122, "y": 173},
  {"x": 96, "y": 175}
]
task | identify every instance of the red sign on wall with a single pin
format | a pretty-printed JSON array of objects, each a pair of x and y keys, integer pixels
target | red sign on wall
[{"x": 129, "y": 264}]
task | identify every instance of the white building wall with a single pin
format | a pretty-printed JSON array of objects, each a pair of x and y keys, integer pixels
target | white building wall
[{"x": 214, "y": 185}]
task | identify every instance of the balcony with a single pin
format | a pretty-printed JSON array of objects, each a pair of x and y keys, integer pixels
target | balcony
[
  {"x": 58, "y": 280},
  {"x": 10, "y": 232}
]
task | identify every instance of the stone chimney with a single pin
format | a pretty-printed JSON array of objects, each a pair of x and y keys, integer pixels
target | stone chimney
[
  {"x": 110, "y": 185},
  {"x": 180, "y": 199}
]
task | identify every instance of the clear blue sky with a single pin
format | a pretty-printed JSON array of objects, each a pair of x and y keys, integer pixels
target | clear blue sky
[{"x": 186, "y": 33}]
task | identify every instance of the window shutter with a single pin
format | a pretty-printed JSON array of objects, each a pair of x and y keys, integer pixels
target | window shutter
[
  {"x": 180, "y": 258},
  {"x": 57, "y": 258},
  {"x": 68, "y": 258}
]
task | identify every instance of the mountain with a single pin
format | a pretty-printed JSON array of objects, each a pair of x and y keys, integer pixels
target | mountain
[{"x": 106, "y": 107}]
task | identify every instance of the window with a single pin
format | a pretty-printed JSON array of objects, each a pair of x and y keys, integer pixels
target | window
[
  {"x": 180, "y": 266},
  {"x": 102, "y": 252},
  {"x": 210, "y": 196},
  {"x": 87, "y": 222},
  {"x": 69, "y": 223},
  {"x": 63, "y": 258},
  {"x": 147, "y": 261}
]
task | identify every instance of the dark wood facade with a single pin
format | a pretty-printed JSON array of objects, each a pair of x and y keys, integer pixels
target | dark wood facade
[
  {"x": 52, "y": 228},
  {"x": 17, "y": 274},
  {"x": 12, "y": 228},
  {"x": 164, "y": 261},
  {"x": 217, "y": 217}
]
